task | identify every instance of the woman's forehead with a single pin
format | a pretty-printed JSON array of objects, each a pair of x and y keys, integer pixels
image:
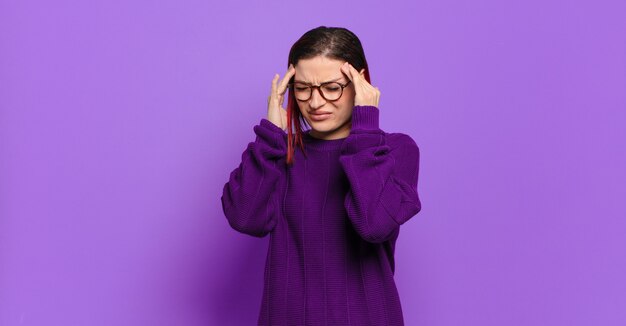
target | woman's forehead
[{"x": 318, "y": 70}]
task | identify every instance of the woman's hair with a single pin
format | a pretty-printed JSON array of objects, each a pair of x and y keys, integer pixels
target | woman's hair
[{"x": 331, "y": 42}]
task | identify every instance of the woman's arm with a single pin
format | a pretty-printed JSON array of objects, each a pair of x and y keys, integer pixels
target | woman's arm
[
  {"x": 383, "y": 174},
  {"x": 250, "y": 199}
]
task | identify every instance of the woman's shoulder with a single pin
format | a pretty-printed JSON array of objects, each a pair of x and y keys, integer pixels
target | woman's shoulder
[{"x": 400, "y": 140}]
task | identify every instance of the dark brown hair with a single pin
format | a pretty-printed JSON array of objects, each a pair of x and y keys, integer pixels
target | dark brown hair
[{"x": 334, "y": 43}]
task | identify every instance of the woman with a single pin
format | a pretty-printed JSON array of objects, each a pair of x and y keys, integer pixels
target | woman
[{"x": 333, "y": 208}]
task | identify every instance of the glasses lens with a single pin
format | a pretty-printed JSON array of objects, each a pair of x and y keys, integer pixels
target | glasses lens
[
  {"x": 301, "y": 91},
  {"x": 332, "y": 91}
]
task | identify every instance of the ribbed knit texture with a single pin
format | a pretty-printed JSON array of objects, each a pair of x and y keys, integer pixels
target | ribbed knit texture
[{"x": 333, "y": 220}]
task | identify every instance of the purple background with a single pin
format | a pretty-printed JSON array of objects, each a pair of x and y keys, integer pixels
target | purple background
[{"x": 120, "y": 123}]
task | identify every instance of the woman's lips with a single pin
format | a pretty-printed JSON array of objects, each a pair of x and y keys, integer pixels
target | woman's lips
[{"x": 320, "y": 117}]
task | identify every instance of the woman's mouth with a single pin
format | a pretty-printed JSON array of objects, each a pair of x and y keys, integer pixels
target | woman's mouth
[{"x": 320, "y": 117}]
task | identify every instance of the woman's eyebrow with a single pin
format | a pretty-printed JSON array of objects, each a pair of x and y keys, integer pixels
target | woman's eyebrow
[{"x": 334, "y": 80}]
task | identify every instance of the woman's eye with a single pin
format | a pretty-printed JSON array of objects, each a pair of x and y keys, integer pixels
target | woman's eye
[{"x": 301, "y": 88}]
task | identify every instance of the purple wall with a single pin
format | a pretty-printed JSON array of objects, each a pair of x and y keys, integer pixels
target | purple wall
[{"x": 120, "y": 123}]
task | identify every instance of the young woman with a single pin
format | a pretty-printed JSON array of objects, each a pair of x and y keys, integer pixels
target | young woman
[{"x": 333, "y": 207}]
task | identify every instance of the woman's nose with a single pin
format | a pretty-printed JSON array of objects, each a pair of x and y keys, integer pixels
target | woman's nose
[{"x": 316, "y": 98}]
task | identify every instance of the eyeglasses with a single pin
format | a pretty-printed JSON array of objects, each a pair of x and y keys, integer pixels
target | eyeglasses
[{"x": 330, "y": 91}]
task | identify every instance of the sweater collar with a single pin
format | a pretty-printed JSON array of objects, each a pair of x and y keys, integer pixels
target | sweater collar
[{"x": 321, "y": 144}]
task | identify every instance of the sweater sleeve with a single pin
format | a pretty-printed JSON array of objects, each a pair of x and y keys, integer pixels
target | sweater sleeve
[
  {"x": 249, "y": 199},
  {"x": 382, "y": 174}
]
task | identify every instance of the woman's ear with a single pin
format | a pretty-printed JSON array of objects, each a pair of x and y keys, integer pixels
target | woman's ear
[{"x": 362, "y": 72}]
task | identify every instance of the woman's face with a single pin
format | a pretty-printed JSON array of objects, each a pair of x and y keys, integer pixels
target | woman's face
[{"x": 338, "y": 122}]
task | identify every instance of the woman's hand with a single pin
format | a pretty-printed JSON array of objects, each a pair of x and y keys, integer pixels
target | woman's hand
[
  {"x": 275, "y": 111},
  {"x": 365, "y": 93}
]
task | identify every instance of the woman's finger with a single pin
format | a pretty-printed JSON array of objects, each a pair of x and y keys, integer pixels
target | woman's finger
[
  {"x": 365, "y": 93},
  {"x": 283, "y": 84},
  {"x": 274, "y": 85},
  {"x": 356, "y": 77},
  {"x": 346, "y": 70},
  {"x": 359, "y": 81}
]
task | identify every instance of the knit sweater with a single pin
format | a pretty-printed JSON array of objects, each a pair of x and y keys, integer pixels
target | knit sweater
[{"x": 333, "y": 220}]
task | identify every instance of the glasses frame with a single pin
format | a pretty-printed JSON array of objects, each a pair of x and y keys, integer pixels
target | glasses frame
[{"x": 311, "y": 87}]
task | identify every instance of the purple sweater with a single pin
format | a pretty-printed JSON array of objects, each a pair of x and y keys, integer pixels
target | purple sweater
[{"x": 333, "y": 220}]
